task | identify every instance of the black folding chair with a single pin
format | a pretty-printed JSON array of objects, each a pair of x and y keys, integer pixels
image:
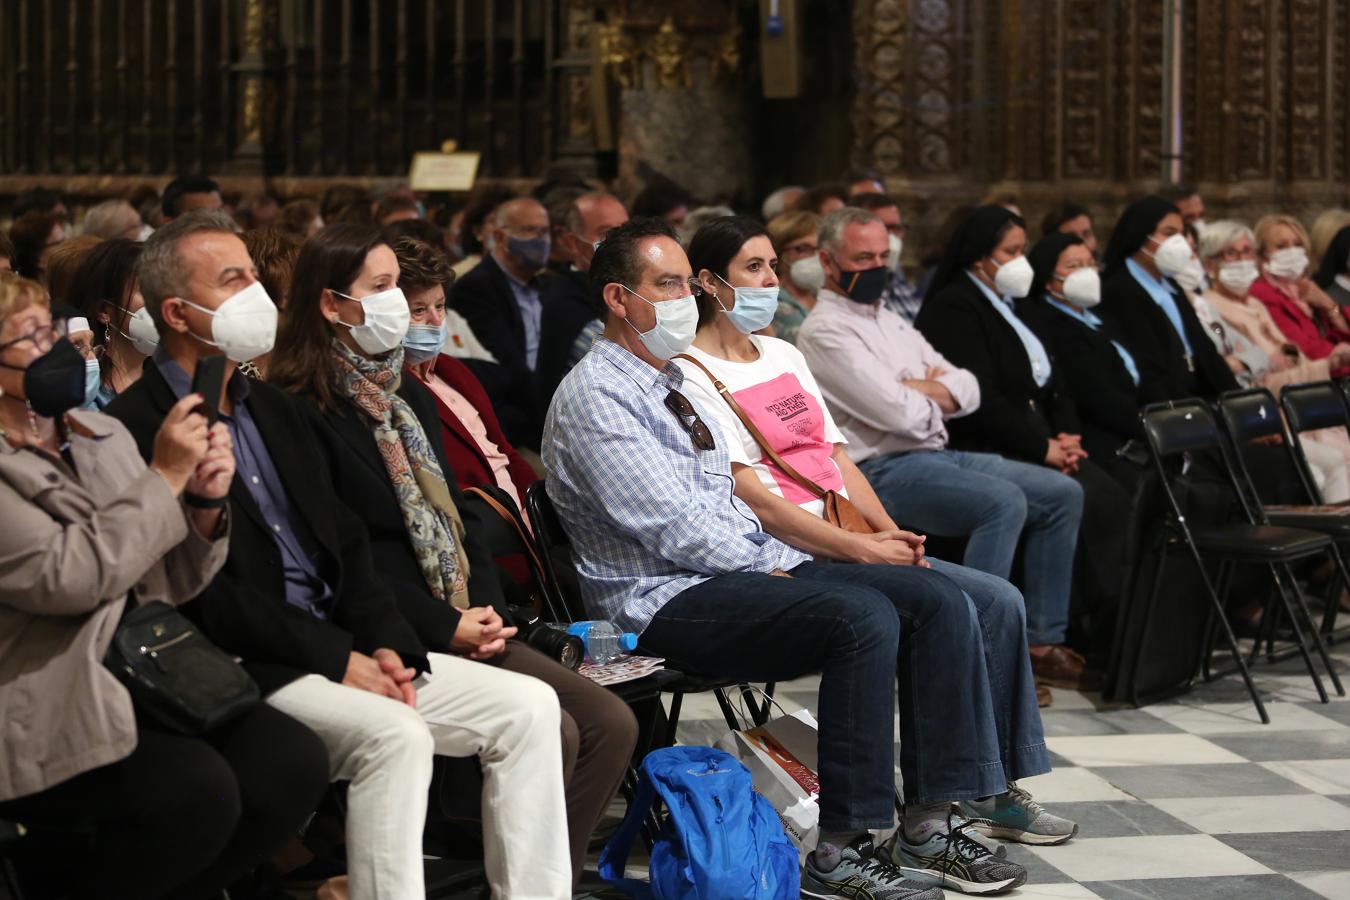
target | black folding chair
[
  {"x": 10, "y": 834},
  {"x": 1185, "y": 427},
  {"x": 1250, "y": 415},
  {"x": 556, "y": 546}
]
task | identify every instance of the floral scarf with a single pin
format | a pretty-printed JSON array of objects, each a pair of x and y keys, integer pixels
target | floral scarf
[{"x": 433, "y": 522}]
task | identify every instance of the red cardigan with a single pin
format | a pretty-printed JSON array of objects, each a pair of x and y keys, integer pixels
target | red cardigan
[
  {"x": 1316, "y": 337},
  {"x": 470, "y": 466}
]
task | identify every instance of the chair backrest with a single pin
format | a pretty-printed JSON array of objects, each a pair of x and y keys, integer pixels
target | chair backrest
[
  {"x": 1251, "y": 414},
  {"x": 1313, "y": 406},
  {"x": 1182, "y": 426},
  {"x": 555, "y": 549}
]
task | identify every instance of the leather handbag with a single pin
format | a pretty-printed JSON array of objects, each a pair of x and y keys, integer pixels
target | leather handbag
[
  {"x": 839, "y": 511},
  {"x": 177, "y": 678}
]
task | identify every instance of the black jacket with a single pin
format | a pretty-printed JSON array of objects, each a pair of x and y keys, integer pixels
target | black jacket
[
  {"x": 484, "y": 298},
  {"x": 567, "y": 310},
  {"x": 1016, "y": 417},
  {"x": 360, "y": 480},
  {"x": 1092, "y": 373},
  {"x": 1141, "y": 325},
  {"x": 244, "y": 611}
]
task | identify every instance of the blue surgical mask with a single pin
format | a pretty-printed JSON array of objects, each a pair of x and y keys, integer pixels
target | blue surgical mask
[
  {"x": 423, "y": 342},
  {"x": 755, "y": 307},
  {"x": 93, "y": 378},
  {"x": 533, "y": 252}
]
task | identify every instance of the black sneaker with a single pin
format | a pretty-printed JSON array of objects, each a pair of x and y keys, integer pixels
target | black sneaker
[
  {"x": 859, "y": 872},
  {"x": 955, "y": 859}
]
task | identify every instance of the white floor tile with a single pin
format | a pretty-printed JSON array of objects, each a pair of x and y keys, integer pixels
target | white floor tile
[
  {"x": 1066, "y": 891},
  {"x": 1237, "y": 718},
  {"x": 1322, "y": 776},
  {"x": 1140, "y": 750},
  {"x": 1123, "y": 858},
  {"x": 1258, "y": 815},
  {"x": 1332, "y": 885},
  {"x": 1072, "y": 784}
]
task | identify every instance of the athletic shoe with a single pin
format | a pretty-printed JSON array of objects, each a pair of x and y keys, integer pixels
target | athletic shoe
[
  {"x": 858, "y": 872},
  {"x": 956, "y": 859},
  {"x": 1014, "y": 816}
]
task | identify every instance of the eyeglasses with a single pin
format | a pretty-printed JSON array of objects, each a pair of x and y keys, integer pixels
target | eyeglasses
[
  {"x": 688, "y": 417},
  {"x": 42, "y": 337}
]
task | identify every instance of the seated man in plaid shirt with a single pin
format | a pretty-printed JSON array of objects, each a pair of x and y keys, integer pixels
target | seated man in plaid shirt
[{"x": 665, "y": 549}]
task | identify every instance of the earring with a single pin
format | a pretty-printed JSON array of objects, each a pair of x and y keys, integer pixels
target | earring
[{"x": 107, "y": 333}]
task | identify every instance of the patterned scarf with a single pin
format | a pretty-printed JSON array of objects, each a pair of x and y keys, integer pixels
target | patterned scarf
[{"x": 433, "y": 523}]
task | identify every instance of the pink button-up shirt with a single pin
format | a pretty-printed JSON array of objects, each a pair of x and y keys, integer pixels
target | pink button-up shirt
[{"x": 860, "y": 355}]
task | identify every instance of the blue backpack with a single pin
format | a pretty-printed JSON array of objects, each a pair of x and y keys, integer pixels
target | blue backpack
[{"x": 721, "y": 840}]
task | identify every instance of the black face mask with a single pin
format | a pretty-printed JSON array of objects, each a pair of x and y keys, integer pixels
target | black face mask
[
  {"x": 54, "y": 382},
  {"x": 864, "y": 286}
]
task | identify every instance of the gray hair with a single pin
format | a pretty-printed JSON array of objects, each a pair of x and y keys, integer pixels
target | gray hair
[
  {"x": 1218, "y": 236},
  {"x": 110, "y": 218},
  {"x": 832, "y": 226},
  {"x": 161, "y": 270},
  {"x": 699, "y": 216},
  {"x": 777, "y": 202},
  {"x": 502, "y": 214}
]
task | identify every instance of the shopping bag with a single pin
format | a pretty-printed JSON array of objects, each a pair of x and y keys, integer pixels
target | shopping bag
[{"x": 781, "y": 757}]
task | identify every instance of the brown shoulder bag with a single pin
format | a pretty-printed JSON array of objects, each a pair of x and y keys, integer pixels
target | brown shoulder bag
[{"x": 839, "y": 511}]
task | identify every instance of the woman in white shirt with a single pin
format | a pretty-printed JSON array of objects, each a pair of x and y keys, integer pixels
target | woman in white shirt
[{"x": 770, "y": 382}]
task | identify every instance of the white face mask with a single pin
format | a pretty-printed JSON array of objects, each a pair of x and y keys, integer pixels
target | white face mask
[
  {"x": 140, "y": 331},
  {"x": 1192, "y": 276},
  {"x": 676, "y": 325},
  {"x": 893, "y": 255},
  {"x": 1172, "y": 255},
  {"x": 1014, "y": 277},
  {"x": 1291, "y": 262},
  {"x": 244, "y": 327},
  {"x": 386, "y": 320},
  {"x": 1083, "y": 288},
  {"x": 808, "y": 274},
  {"x": 1238, "y": 276}
]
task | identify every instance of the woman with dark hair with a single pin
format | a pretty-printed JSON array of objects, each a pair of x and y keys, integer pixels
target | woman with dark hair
[
  {"x": 1148, "y": 312},
  {"x": 970, "y": 316},
  {"x": 1333, "y": 276},
  {"x": 1094, "y": 369},
  {"x": 771, "y": 386},
  {"x": 34, "y": 234},
  {"x": 106, "y": 291},
  {"x": 341, "y": 348}
]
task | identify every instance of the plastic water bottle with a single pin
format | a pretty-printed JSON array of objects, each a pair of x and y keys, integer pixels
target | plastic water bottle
[{"x": 604, "y": 641}]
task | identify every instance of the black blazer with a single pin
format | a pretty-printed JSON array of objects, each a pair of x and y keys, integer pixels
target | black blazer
[
  {"x": 567, "y": 310},
  {"x": 484, "y": 298},
  {"x": 1144, "y": 329},
  {"x": 1092, "y": 374},
  {"x": 244, "y": 610},
  {"x": 359, "y": 479},
  {"x": 1016, "y": 417}
]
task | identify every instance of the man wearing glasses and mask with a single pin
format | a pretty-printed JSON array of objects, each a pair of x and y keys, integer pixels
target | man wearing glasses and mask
[{"x": 664, "y": 548}]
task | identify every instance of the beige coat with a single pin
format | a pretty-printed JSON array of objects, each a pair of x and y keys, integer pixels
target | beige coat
[{"x": 69, "y": 552}]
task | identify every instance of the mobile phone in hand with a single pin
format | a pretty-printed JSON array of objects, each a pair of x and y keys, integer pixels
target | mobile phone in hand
[{"x": 206, "y": 380}]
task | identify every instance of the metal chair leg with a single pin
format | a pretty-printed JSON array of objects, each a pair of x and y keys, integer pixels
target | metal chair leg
[
  {"x": 673, "y": 719},
  {"x": 1300, "y": 641},
  {"x": 1319, "y": 645},
  {"x": 1229, "y": 636}
]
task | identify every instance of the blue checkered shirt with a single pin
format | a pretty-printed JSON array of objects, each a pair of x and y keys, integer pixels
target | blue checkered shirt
[
  {"x": 901, "y": 298},
  {"x": 649, "y": 515}
]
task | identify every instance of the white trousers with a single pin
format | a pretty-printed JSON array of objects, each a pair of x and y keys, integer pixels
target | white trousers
[
  {"x": 1328, "y": 467},
  {"x": 384, "y": 748}
]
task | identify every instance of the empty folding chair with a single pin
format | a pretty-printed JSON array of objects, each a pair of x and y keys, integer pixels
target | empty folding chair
[
  {"x": 1252, "y": 415},
  {"x": 1185, "y": 427}
]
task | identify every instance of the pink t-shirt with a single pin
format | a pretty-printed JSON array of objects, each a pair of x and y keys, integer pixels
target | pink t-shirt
[{"x": 780, "y": 396}]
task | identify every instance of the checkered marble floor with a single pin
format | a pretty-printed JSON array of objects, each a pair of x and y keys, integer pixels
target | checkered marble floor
[{"x": 1192, "y": 798}]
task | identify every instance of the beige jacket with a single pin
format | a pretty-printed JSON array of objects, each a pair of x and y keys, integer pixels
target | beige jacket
[{"x": 69, "y": 552}]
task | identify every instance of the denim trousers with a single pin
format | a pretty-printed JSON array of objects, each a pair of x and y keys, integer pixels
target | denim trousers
[
  {"x": 866, "y": 629},
  {"x": 992, "y": 501}
]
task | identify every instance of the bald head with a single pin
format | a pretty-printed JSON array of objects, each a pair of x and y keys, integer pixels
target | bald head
[
  {"x": 591, "y": 217},
  {"x": 520, "y": 237}
]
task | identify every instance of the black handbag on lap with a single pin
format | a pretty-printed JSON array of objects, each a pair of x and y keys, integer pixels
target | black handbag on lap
[{"x": 177, "y": 678}]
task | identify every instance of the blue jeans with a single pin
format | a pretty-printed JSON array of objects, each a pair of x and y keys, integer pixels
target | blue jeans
[
  {"x": 990, "y": 500},
  {"x": 865, "y": 628}
]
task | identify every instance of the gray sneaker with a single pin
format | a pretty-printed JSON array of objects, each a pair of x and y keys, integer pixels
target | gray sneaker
[
  {"x": 1014, "y": 816},
  {"x": 955, "y": 859},
  {"x": 858, "y": 871}
]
